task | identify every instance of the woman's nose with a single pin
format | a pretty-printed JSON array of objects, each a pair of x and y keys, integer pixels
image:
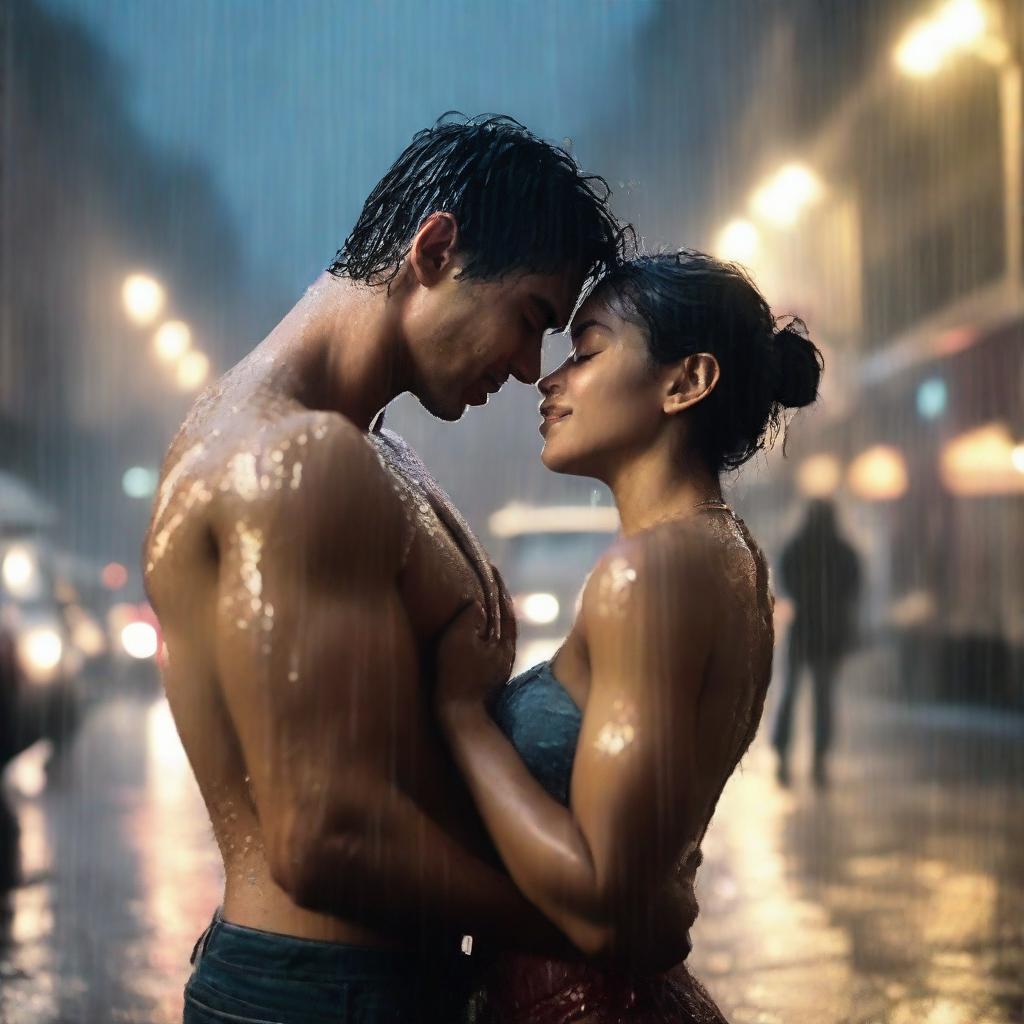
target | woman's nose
[
  {"x": 546, "y": 385},
  {"x": 554, "y": 382}
]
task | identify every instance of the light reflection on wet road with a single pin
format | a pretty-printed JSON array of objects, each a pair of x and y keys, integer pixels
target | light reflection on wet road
[{"x": 896, "y": 897}]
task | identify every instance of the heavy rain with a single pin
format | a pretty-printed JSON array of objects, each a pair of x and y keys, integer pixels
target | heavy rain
[{"x": 255, "y": 732}]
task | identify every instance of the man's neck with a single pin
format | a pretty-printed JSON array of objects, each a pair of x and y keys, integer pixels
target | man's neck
[{"x": 342, "y": 343}]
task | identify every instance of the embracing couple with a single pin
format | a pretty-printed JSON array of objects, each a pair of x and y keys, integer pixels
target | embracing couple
[{"x": 407, "y": 833}]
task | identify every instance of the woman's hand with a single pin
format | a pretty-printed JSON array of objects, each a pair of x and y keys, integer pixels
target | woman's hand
[{"x": 470, "y": 667}]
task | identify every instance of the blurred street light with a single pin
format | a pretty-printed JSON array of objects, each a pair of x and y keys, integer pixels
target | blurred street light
[
  {"x": 172, "y": 341},
  {"x": 927, "y": 44},
  {"x": 40, "y": 650},
  {"x": 783, "y": 197},
  {"x": 143, "y": 298},
  {"x": 193, "y": 369},
  {"x": 139, "y": 640},
  {"x": 20, "y": 572},
  {"x": 819, "y": 476},
  {"x": 878, "y": 474},
  {"x": 738, "y": 241},
  {"x": 539, "y": 608},
  {"x": 963, "y": 26},
  {"x": 983, "y": 461}
]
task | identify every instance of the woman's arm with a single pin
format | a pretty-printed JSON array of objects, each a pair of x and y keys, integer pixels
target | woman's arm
[{"x": 598, "y": 868}]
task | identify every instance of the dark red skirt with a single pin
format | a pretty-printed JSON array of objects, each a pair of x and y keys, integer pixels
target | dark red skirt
[{"x": 522, "y": 989}]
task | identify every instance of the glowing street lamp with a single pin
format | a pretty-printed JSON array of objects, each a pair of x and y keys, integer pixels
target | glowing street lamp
[
  {"x": 143, "y": 298},
  {"x": 819, "y": 476},
  {"x": 927, "y": 44},
  {"x": 193, "y": 369},
  {"x": 878, "y": 474},
  {"x": 960, "y": 26},
  {"x": 783, "y": 197},
  {"x": 172, "y": 341},
  {"x": 738, "y": 241}
]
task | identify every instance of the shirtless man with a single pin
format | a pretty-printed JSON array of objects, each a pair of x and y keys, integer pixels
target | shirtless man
[{"x": 305, "y": 568}]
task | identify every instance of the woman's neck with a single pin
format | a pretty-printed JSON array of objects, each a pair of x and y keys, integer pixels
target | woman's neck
[{"x": 655, "y": 486}]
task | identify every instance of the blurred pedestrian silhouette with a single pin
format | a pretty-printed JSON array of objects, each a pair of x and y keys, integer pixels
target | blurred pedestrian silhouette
[{"x": 820, "y": 571}]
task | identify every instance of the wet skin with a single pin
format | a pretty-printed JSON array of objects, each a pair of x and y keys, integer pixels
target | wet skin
[
  {"x": 669, "y": 657},
  {"x": 270, "y": 459},
  {"x": 303, "y": 572}
]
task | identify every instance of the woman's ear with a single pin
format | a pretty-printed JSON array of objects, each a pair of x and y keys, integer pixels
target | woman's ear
[
  {"x": 692, "y": 380},
  {"x": 433, "y": 248}
]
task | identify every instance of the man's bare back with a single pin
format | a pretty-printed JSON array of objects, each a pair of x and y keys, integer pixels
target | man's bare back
[{"x": 254, "y": 484}]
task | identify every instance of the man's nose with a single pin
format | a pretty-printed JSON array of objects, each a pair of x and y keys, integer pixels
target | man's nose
[{"x": 526, "y": 365}]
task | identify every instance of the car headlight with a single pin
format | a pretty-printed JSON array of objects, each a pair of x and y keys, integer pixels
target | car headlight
[
  {"x": 20, "y": 572},
  {"x": 40, "y": 652},
  {"x": 139, "y": 640},
  {"x": 539, "y": 608},
  {"x": 536, "y": 651}
]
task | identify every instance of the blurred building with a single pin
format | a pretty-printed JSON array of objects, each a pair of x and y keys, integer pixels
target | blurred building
[
  {"x": 875, "y": 189},
  {"x": 86, "y": 200}
]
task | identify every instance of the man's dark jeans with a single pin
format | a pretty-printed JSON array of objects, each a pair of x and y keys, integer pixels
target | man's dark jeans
[{"x": 247, "y": 976}]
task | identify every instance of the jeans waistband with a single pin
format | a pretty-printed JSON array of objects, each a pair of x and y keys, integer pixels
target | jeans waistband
[{"x": 273, "y": 952}]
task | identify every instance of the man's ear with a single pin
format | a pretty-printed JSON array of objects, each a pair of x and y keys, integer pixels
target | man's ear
[
  {"x": 692, "y": 380},
  {"x": 433, "y": 248}
]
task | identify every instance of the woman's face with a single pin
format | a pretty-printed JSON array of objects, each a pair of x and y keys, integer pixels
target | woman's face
[{"x": 605, "y": 402}]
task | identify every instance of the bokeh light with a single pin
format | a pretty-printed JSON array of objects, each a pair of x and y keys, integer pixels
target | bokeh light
[
  {"x": 172, "y": 340},
  {"x": 143, "y": 298},
  {"x": 193, "y": 369}
]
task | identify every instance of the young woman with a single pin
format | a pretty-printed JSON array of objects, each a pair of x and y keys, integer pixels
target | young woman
[{"x": 597, "y": 773}]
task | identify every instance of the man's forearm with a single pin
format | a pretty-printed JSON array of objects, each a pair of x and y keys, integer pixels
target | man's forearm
[{"x": 405, "y": 875}]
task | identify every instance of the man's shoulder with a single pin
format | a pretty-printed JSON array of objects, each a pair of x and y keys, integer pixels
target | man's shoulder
[{"x": 303, "y": 462}]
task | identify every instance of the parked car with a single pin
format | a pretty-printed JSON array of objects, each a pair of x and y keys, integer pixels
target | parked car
[
  {"x": 39, "y": 661},
  {"x": 45, "y": 638},
  {"x": 545, "y": 554}
]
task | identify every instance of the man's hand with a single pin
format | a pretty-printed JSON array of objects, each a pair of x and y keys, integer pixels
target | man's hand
[{"x": 471, "y": 667}]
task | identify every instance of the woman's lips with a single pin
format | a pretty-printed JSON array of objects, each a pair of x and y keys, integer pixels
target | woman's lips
[{"x": 550, "y": 421}]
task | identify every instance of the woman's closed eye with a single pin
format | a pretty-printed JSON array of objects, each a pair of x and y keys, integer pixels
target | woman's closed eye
[{"x": 582, "y": 357}]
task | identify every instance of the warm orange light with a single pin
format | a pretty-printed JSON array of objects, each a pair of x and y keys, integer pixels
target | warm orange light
[
  {"x": 193, "y": 369},
  {"x": 957, "y": 25},
  {"x": 983, "y": 461},
  {"x": 878, "y": 474},
  {"x": 143, "y": 298},
  {"x": 172, "y": 341},
  {"x": 818, "y": 476},
  {"x": 783, "y": 197},
  {"x": 738, "y": 241}
]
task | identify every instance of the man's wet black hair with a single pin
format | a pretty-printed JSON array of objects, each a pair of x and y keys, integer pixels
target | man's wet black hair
[
  {"x": 521, "y": 205},
  {"x": 689, "y": 302}
]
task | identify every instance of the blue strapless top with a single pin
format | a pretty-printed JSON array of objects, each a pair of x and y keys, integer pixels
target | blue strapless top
[{"x": 542, "y": 722}]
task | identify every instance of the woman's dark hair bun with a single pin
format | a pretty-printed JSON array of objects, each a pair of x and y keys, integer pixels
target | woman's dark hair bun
[{"x": 799, "y": 365}]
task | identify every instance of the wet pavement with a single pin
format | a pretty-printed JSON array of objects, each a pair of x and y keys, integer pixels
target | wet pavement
[{"x": 896, "y": 896}]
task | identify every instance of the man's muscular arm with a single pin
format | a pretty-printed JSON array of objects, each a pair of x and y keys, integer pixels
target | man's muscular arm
[{"x": 313, "y": 645}]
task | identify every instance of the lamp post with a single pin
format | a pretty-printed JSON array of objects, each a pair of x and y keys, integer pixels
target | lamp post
[{"x": 963, "y": 25}]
